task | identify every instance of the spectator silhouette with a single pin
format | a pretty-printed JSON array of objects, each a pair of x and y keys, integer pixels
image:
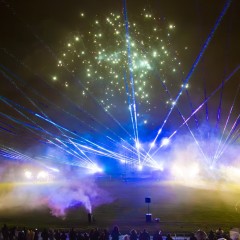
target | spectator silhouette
[
  {"x": 57, "y": 235},
  {"x": 72, "y": 235},
  {"x": 5, "y": 232},
  {"x": 133, "y": 235},
  {"x": 115, "y": 233},
  {"x": 44, "y": 234},
  {"x": 144, "y": 235},
  {"x": 219, "y": 233},
  {"x": 12, "y": 233},
  {"x": 158, "y": 235},
  {"x": 169, "y": 237},
  {"x": 211, "y": 235},
  {"x": 192, "y": 237},
  {"x": 36, "y": 234},
  {"x": 63, "y": 236}
]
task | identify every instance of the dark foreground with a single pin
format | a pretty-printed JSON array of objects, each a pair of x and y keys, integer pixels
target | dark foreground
[{"x": 179, "y": 209}]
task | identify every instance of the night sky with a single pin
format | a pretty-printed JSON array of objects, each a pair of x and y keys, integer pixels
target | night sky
[{"x": 93, "y": 81}]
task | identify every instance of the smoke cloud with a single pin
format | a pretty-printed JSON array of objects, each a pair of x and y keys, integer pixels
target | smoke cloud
[{"x": 70, "y": 189}]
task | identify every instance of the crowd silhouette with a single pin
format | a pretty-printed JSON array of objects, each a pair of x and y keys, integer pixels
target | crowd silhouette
[{"x": 15, "y": 233}]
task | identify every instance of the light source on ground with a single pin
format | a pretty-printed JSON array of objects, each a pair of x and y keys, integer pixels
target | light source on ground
[
  {"x": 42, "y": 175},
  {"x": 123, "y": 161},
  {"x": 152, "y": 144},
  {"x": 54, "y": 169},
  {"x": 230, "y": 173},
  {"x": 138, "y": 145},
  {"x": 165, "y": 142},
  {"x": 95, "y": 169},
  {"x": 28, "y": 174},
  {"x": 139, "y": 167},
  {"x": 183, "y": 173}
]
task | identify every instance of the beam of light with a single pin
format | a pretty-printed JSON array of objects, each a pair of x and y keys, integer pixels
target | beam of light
[
  {"x": 39, "y": 128},
  {"x": 43, "y": 113},
  {"x": 225, "y": 126},
  {"x": 203, "y": 103},
  {"x": 231, "y": 132},
  {"x": 152, "y": 144},
  {"x": 7, "y": 130},
  {"x": 28, "y": 174},
  {"x": 205, "y": 97},
  {"x": 93, "y": 168},
  {"x": 49, "y": 49},
  {"x": 133, "y": 105},
  {"x": 66, "y": 150},
  {"x": 157, "y": 166},
  {"x": 70, "y": 151},
  {"x": 181, "y": 173},
  {"x": 165, "y": 142},
  {"x": 75, "y": 153},
  {"x": 45, "y": 116},
  {"x": 138, "y": 145},
  {"x": 81, "y": 151},
  {"x": 78, "y": 80},
  {"x": 230, "y": 173},
  {"x": 53, "y": 169},
  {"x": 22, "y": 92},
  {"x": 91, "y": 150},
  {"x": 192, "y": 108},
  {"x": 140, "y": 167},
  {"x": 13, "y": 154},
  {"x": 142, "y": 154},
  {"x": 102, "y": 151},
  {"x": 199, "y": 57},
  {"x": 219, "y": 106},
  {"x": 63, "y": 148},
  {"x": 50, "y": 102},
  {"x": 43, "y": 176},
  {"x": 237, "y": 135},
  {"x": 24, "y": 124},
  {"x": 129, "y": 104},
  {"x": 29, "y": 99}
]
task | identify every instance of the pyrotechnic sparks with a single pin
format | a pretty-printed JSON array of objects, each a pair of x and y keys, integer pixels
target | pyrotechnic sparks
[
  {"x": 99, "y": 57},
  {"x": 113, "y": 70}
]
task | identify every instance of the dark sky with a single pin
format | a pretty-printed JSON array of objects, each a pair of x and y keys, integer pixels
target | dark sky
[{"x": 35, "y": 33}]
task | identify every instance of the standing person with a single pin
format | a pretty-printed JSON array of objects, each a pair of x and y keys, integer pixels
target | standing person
[
  {"x": 63, "y": 236},
  {"x": 133, "y": 235},
  {"x": 36, "y": 234},
  {"x": 72, "y": 234},
  {"x": 157, "y": 235},
  {"x": 169, "y": 237},
  {"x": 211, "y": 235},
  {"x": 192, "y": 236},
  {"x": 219, "y": 233},
  {"x": 44, "y": 234},
  {"x": 12, "y": 233},
  {"x": 57, "y": 235},
  {"x": 144, "y": 235},
  {"x": 5, "y": 232},
  {"x": 104, "y": 235},
  {"x": 115, "y": 233}
]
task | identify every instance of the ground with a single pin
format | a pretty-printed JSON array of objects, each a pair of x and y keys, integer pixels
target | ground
[{"x": 181, "y": 208}]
